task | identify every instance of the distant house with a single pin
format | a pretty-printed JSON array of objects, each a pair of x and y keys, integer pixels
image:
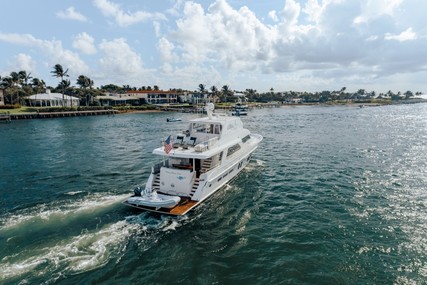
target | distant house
[
  {"x": 49, "y": 99},
  {"x": 117, "y": 99},
  {"x": 139, "y": 98},
  {"x": 155, "y": 96}
]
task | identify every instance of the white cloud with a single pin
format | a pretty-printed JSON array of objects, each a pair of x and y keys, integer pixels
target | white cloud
[
  {"x": 166, "y": 51},
  {"x": 24, "y": 62},
  {"x": 316, "y": 40},
  {"x": 372, "y": 9},
  {"x": 20, "y": 39},
  {"x": 314, "y": 10},
  {"x": 291, "y": 12},
  {"x": 52, "y": 50},
  {"x": 234, "y": 38},
  {"x": 290, "y": 43},
  {"x": 122, "y": 18},
  {"x": 403, "y": 36},
  {"x": 119, "y": 61},
  {"x": 84, "y": 43},
  {"x": 71, "y": 14},
  {"x": 273, "y": 15},
  {"x": 175, "y": 9}
]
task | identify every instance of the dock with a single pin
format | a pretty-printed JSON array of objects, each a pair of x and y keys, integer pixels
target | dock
[
  {"x": 5, "y": 117},
  {"x": 48, "y": 115}
]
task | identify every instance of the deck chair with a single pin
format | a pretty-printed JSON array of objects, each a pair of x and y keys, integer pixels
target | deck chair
[
  {"x": 179, "y": 140},
  {"x": 191, "y": 143}
]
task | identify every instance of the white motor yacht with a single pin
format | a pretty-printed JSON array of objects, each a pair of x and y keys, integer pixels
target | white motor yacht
[{"x": 196, "y": 163}]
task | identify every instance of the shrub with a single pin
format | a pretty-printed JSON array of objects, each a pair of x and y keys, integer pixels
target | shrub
[{"x": 14, "y": 106}]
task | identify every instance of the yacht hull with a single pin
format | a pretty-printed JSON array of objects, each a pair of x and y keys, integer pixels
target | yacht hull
[{"x": 210, "y": 186}]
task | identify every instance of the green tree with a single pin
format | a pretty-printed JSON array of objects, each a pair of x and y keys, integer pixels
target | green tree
[
  {"x": 64, "y": 85},
  {"x": 225, "y": 92},
  {"x": 408, "y": 94},
  {"x": 202, "y": 90},
  {"x": 85, "y": 82},
  {"x": 38, "y": 85},
  {"x": 25, "y": 77},
  {"x": 59, "y": 72},
  {"x": 7, "y": 86},
  {"x": 214, "y": 91}
]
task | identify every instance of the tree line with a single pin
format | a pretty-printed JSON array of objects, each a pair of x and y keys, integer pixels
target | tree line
[
  {"x": 251, "y": 95},
  {"x": 21, "y": 84}
]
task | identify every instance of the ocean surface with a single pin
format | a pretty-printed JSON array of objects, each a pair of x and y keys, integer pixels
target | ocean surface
[{"x": 333, "y": 195}]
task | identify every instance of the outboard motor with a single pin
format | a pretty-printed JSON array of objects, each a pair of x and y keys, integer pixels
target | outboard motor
[{"x": 137, "y": 191}]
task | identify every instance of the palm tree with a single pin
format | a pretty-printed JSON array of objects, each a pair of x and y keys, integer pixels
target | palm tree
[
  {"x": 7, "y": 84},
  {"x": 38, "y": 85},
  {"x": 58, "y": 71},
  {"x": 85, "y": 82},
  {"x": 202, "y": 90},
  {"x": 15, "y": 80},
  {"x": 25, "y": 77},
  {"x": 225, "y": 92},
  {"x": 64, "y": 85},
  {"x": 214, "y": 92},
  {"x": 250, "y": 93}
]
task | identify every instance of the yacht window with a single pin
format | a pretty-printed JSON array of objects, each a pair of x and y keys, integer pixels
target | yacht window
[
  {"x": 245, "y": 139},
  {"x": 200, "y": 127},
  {"x": 233, "y": 149},
  {"x": 218, "y": 129}
]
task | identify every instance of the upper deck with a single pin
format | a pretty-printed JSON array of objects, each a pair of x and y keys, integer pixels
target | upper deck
[{"x": 205, "y": 137}]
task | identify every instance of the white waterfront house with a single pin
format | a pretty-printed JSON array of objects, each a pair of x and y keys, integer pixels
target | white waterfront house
[{"x": 49, "y": 99}]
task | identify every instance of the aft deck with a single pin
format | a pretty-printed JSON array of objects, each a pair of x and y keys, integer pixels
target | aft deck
[{"x": 181, "y": 209}]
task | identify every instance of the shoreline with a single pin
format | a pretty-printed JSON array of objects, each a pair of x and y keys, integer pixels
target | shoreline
[{"x": 11, "y": 116}]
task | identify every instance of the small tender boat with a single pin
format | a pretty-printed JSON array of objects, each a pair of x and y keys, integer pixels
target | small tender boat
[
  {"x": 148, "y": 198},
  {"x": 173, "y": 120},
  {"x": 196, "y": 163}
]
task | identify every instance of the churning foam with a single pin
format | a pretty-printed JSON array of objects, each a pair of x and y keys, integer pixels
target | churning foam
[
  {"x": 89, "y": 250},
  {"x": 59, "y": 210},
  {"x": 78, "y": 254}
]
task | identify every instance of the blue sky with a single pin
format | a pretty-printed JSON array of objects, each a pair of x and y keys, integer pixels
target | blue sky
[{"x": 300, "y": 45}]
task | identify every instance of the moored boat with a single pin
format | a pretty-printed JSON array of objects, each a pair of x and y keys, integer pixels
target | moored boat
[
  {"x": 173, "y": 120},
  {"x": 196, "y": 163},
  {"x": 240, "y": 109}
]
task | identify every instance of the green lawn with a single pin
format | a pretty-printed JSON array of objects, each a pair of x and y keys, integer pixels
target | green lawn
[{"x": 23, "y": 109}]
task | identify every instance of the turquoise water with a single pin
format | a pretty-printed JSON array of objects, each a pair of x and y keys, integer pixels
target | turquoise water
[{"x": 334, "y": 195}]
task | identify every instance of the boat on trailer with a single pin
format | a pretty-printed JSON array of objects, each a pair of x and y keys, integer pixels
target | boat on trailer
[{"x": 196, "y": 163}]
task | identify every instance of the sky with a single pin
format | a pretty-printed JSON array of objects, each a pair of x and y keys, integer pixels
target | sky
[{"x": 298, "y": 45}]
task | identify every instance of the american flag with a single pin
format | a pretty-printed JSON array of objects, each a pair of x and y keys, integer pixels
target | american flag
[{"x": 168, "y": 145}]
